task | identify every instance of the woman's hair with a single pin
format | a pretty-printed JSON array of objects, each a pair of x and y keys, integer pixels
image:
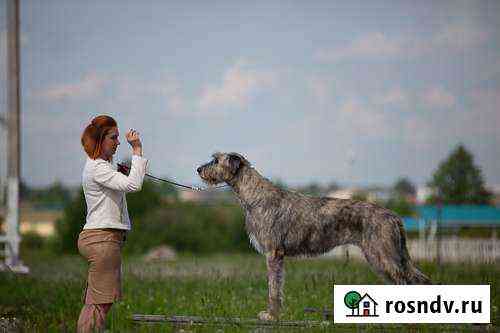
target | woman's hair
[{"x": 94, "y": 134}]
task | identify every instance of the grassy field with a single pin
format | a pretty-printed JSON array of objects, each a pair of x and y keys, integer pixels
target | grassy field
[{"x": 224, "y": 285}]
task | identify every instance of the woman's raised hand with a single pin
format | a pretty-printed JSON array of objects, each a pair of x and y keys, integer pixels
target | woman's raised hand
[{"x": 134, "y": 140}]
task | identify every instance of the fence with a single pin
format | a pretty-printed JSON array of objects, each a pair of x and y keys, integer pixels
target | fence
[{"x": 453, "y": 250}]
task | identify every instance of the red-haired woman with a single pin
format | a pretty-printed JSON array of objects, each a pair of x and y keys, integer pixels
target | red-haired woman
[{"x": 107, "y": 219}]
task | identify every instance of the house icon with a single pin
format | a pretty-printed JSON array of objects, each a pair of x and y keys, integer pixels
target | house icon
[
  {"x": 368, "y": 306},
  {"x": 363, "y": 306}
]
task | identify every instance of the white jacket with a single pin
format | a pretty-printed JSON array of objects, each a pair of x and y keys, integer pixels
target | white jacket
[{"x": 105, "y": 189}]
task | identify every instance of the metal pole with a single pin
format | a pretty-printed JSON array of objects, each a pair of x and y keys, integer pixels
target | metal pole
[
  {"x": 438, "y": 228},
  {"x": 3, "y": 126},
  {"x": 13, "y": 142}
]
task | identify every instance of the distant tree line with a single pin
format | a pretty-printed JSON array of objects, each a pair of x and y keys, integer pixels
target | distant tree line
[
  {"x": 54, "y": 195},
  {"x": 159, "y": 218}
]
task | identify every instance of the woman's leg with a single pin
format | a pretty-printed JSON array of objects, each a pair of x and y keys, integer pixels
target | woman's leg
[
  {"x": 92, "y": 317},
  {"x": 103, "y": 281}
]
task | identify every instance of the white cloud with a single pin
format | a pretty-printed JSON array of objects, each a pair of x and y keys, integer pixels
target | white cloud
[
  {"x": 131, "y": 89},
  {"x": 171, "y": 89},
  {"x": 125, "y": 89},
  {"x": 489, "y": 98},
  {"x": 480, "y": 118},
  {"x": 89, "y": 86},
  {"x": 394, "y": 97},
  {"x": 459, "y": 36},
  {"x": 372, "y": 45},
  {"x": 485, "y": 112},
  {"x": 239, "y": 85},
  {"x": 451, "y": 37},
  {"x": 321, "y": 89},
  {"x": 363, "y": 119},
  {"x": 420, "y": 133},
  {"x": 489, "y": 70},
  {"x": 437, "y": 97},
  {"x": 351, "y": 107}
]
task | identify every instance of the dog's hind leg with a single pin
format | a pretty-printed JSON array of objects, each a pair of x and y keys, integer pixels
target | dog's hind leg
[
  {"x": 385, "y": 250},
  {"x": 275, "y": 275},
  {"x": 384, "y": 247},
  {"x": 393, "y": 268},
  {"x": 388, "y": 265},
  {"x": 415, "y": 276}
]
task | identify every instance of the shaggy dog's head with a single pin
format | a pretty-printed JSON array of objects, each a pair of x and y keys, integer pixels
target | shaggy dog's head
[{"x": 223, "y": 167}]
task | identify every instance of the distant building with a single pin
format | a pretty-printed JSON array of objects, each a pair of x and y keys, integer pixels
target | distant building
[
  {"x": 423, "y": 193},
  {"x": 191, "y": 196},
  {"x": 378, "y": 194},
  {"x": 454, "y": 216},
  {"x": 495, "y": 190},
  {"x": 209, "y": 196},
  {"x": 39, "y": 221},
  {"x": 344, "y": 193},
  {"x": 372, "y": 194}
]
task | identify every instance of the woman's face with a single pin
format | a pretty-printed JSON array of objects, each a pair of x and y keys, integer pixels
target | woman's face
[{"x": 109, "y": 144}]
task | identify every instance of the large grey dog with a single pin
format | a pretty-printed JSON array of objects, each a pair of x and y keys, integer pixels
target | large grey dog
[{"x": 285, "y": 223}]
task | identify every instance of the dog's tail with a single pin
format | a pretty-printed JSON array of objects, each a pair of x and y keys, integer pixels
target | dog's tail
[{"x": 413, "y": 274}]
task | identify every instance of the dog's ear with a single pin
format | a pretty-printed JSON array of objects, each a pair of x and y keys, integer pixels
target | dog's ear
[{"x": 234, "y": 163}]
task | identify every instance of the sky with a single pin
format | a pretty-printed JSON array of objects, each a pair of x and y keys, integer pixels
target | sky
[{"x": 352, "y": 92}]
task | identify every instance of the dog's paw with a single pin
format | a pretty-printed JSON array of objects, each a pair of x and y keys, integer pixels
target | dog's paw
[{"x": 266, "y": 316}]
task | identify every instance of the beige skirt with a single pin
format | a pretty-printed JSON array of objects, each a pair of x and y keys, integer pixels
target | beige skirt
[{"x": 102, "y": 249}]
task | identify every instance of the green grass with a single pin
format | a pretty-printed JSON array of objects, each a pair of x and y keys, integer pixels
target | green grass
[{"x": 217, "y": 286}]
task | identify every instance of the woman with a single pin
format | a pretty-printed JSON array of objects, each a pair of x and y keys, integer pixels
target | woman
[{"x": 107, "y": 220}]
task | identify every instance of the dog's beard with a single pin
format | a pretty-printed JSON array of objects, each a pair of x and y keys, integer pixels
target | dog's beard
[{"x": 209, "y": 180}]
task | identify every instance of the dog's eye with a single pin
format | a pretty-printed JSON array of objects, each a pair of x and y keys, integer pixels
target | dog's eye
[{"x": 216, "y": 161}]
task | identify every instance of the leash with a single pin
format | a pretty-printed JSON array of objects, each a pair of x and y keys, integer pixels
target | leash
[{"x": 193, "y": 188}]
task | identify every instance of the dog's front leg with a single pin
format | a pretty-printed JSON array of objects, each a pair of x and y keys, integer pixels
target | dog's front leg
[{"x": 275, "y": 276}]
